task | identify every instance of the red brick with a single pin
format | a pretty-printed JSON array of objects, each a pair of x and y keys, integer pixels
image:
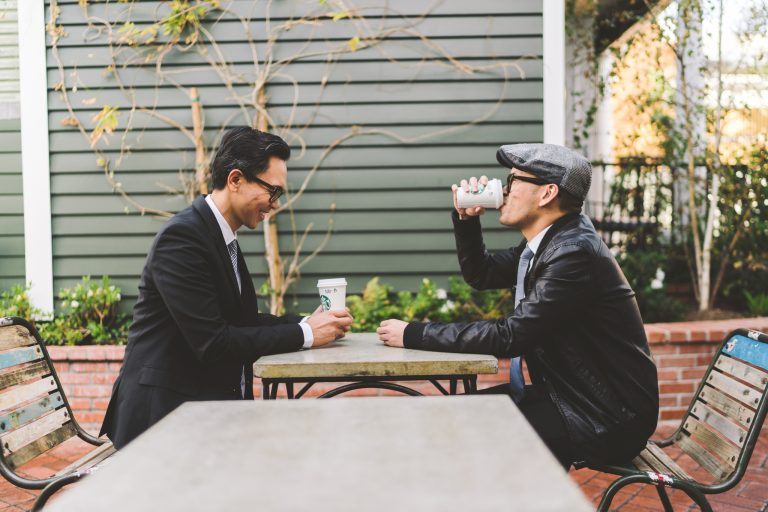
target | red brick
[
  {"x": 677, "y": 387},
  {"x": 89, "y": 367},
  {"x": 75, "y": 378},
  {"x": 676, "y": 361},
  {"x": 655, "y": 337},
  {"x": 693, "y": 373},
  {"x": 115, "y": 367},
  {"x": 665, "y": 349},
  {"x": 678, "y": 336},
  {"x": 100, "y": 404},
  {"x": 80, "y": 404},
  {"x": 104, "y": 378},
  {"x": 61, "y": 367},
  {"x": 668, "y": 401},
  {"x": 90, "y": 417},
  {"x": 668, "y": 374},
  {"x": 698, "y": 348},
  {"x": 672, "y": 414},
  {"x": 91, "y": 391}
]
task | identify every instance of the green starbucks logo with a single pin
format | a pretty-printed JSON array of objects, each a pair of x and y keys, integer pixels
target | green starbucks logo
[{"x": 326, "y": 302}]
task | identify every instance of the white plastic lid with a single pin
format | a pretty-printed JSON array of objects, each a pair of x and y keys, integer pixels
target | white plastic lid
[{"x": 326, "y": 283}]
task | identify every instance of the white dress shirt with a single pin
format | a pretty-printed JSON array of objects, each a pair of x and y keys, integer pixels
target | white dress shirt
[
  {"x": 534, "y": 244},
  {"x": 229, "y": 236}
]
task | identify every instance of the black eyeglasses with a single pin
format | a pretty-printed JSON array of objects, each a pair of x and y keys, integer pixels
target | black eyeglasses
[
  {"x": 275, "y": 191},
  {"x": 512, "y": 177}
]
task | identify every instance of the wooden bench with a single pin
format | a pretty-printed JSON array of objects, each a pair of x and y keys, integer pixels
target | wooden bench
[
  {"x": 719, "y": 431},
  {"x": 34, "y": 413}
]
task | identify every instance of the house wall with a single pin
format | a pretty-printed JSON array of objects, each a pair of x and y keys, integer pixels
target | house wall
[{"x": 391, "y": 199}]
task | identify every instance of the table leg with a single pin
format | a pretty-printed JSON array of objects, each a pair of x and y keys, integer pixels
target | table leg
[
  {"x": 264, "y": 390},
  {"x": 454, "y": 385},
  {"x": 289, "y": 389},
  {"x": 273, "y": 394}
]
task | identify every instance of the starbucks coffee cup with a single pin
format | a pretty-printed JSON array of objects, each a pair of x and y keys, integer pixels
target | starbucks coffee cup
[
  {"x": 490, "y": 196},
  {"x": 333, "y": 294}
]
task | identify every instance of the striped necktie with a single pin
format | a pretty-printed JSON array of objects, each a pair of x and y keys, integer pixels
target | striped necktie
[
  {"x": 233, "y": 247},
  {"x": 516, "y": 381}
]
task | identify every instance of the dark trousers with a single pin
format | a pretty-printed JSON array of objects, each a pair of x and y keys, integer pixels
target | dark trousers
[{"x": 543, "y": 416}]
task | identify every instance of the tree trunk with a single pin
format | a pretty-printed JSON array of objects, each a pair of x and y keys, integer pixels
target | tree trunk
[
  {"x": 201, "y": 159},
  {"x": 271, "y": 244}
]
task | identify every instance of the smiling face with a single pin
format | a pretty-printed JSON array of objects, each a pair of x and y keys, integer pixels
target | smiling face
[
  {"x": 250, "y": 200},
  {"x": 521, "y": 205}
]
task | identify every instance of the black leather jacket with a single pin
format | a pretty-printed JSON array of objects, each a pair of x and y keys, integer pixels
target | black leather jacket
[{"x": 578, "y": 328}]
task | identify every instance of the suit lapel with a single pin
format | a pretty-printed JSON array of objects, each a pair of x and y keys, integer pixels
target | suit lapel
[{"x": 217, "y": 238}]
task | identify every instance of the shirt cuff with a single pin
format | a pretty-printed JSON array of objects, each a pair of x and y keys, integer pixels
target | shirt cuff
[{"x": 309, "y": 338}]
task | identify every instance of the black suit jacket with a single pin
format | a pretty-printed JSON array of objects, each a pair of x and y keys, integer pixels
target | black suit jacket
[{"x": 193, "y": 332}]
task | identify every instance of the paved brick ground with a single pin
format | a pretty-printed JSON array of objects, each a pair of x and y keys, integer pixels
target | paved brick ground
[{"x": 750, "y": 495}]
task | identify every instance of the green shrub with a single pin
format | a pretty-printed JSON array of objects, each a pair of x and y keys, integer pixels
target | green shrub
[
  {"x": 645, "y": 271},
  {"x": 757, "y": 303},
  {"x": 429, "y": 304},
  {"x": 16, "y": 303},
  {"x": 88, "y": 315}
]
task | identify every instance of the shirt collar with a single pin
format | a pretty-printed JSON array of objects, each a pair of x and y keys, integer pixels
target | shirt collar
[
  {"x": 534, "y": 244},
  {"x": 229, "y": 235}
]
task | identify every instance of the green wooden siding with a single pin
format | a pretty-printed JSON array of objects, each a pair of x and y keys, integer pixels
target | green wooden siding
[
  {"x": 11, "y": 207},
  {"x": 392, "y": 199}
]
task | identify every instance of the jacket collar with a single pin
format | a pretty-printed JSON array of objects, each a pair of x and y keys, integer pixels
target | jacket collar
[
  {"x": 216, "y": 236},
  {"x": 555, "y": 228}
]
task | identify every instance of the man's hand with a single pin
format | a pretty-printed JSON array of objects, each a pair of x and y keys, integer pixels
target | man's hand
[
  {"x": 391, "y": 332},
  {"x": 329, "y": 325},
  {"x": 469, "y": 186}
]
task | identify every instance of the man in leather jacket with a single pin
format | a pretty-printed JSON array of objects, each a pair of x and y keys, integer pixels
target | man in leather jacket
[{"x": 594, "y": 390}]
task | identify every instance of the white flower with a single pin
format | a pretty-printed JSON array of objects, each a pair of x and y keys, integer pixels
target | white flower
[
  {"x": 447, "y": 307},
  {"x": 90, "y": 293},
  {"x": 656, "y": 284},
  {"x": 118, "y": 296},
  {"x": 660, "y": 274},
  {"x": 74, "y": 304},
  {"x": 112, "y": 288},
  {"x": 442, "y": 294}
]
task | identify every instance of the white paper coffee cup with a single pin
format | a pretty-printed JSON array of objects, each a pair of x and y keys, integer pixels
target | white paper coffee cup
[
  {"x": 491, "y": 196},
  {"x": 333, "y": 294}
]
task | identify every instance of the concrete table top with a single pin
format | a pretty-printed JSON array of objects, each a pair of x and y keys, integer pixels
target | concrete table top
[
  {"x": 382, "y": 454},
  {"x": 363, "y": 355}
]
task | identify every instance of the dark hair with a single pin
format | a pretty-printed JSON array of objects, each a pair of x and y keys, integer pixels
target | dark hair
[
  {"x": 568, "y": 202},
  {"x": 246, "y": 149}
]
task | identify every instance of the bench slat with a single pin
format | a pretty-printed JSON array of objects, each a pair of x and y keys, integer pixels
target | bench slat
[
  {"x": 26, "y": 392},
  {"x": 90, "y": 459},
  {"x": 730, "y": 407},
  {"x": 719, "y": 422},
  {"x": 640, "y": 463},
  {"x": 731, "y": 387},
  {"x": 19, "y": 356},
  {"x": 666, "y": 461},
  {"x": 23, "y": 415},
  {"x": 38, "y": 368},
  {"x": 41, "y": 445},
  {"x": 14, "y": 336},
  {"x": 750, "y": 374},
  {"x": 703, "y": 457},
  {"x": 15, "y": 440},
  {"x": 712, "y": 442}
]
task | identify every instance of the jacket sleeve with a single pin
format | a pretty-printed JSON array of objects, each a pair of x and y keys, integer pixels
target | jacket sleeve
[
  {"x": 481, "y": 269},
  {"x": 179, "y": 268},
  {"x": 560, "y": 288}
]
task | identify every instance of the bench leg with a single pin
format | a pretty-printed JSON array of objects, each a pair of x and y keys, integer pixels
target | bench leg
[
  {"x": 50, "y": 489},
  {"x": 664, "y": 498}
]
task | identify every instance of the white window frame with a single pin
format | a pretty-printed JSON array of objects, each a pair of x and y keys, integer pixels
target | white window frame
[{"x": 554, "y": 71}]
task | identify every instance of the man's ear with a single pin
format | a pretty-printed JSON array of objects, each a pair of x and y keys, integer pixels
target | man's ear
[
  {"x": 549, "y": 194},
  {"x": 234, "y": 178}
]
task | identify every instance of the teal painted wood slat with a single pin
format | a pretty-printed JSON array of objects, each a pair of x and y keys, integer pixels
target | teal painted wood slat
[
  {"x": 19, "y": 356},
  {"x": 29, "y": 412},
  {"x": 751, "y": 351}
]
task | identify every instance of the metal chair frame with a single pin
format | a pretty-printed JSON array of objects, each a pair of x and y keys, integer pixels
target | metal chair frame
[
  {"x": 51, "y": 484},
  {"x": 630, "y": 474}
]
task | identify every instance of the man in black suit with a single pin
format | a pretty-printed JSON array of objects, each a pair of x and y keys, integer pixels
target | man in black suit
[{"x": 196, "y": 328}]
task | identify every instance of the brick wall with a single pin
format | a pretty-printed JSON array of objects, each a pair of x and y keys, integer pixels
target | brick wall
[{"x": 682, "y": 352}]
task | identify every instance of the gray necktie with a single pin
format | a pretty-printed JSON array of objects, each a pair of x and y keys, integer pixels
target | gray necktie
[
  {"x": 232, "y": 247},
  {"x": 516, "y": 382}
]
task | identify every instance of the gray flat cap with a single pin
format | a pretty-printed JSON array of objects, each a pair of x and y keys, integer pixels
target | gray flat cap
[{"x": 556, "y": 164}]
